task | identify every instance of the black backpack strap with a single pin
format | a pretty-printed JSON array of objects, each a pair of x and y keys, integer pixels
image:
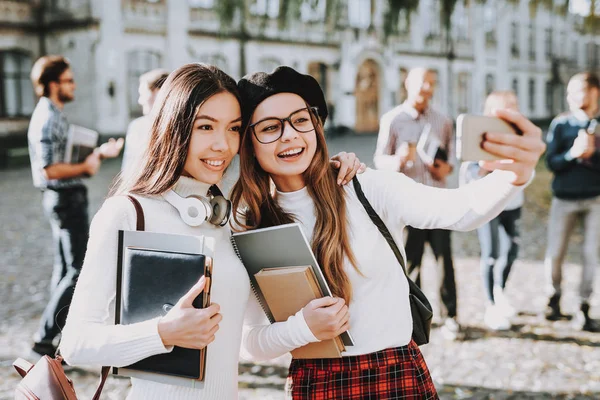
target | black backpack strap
[{"x": 378, "y": 223}]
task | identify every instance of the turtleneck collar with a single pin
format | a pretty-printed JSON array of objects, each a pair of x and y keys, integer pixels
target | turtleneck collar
[
  {"x": 291, "y": 200},
  {"x": 186, "y": 186}
]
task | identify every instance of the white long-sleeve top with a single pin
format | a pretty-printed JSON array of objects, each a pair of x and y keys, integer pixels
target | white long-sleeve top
[
  {"x": 380, "y": 314},
  {"x": 91, "y": 337}
]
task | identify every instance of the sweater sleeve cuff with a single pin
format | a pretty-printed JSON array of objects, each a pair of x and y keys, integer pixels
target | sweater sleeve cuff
[
  {"x": 303, "y": 329},
  {"x": 149, "y": 341}
]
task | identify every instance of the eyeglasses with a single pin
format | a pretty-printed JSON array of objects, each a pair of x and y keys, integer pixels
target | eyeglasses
[{"x": 271, "y": 129}]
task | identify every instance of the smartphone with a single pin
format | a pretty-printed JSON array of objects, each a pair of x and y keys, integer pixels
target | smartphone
[{"x": 469, "y": 135}]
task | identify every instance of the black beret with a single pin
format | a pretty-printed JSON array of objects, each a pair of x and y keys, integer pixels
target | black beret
[{"x": 256, "y": 87}]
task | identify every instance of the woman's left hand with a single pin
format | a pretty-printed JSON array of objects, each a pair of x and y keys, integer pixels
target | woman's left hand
[
  {"x": 349, "y": 165},
  {"x": 520, "y": 152}
]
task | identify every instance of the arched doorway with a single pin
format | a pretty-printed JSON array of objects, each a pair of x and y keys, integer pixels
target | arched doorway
[{"x": 367, "y": 97}]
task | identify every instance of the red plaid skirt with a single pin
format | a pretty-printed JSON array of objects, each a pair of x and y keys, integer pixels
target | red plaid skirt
[{"x": 399, "y": 373}]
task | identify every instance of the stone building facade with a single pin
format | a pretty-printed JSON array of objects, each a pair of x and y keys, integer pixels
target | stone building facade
[{"x": 496, "y": 45}]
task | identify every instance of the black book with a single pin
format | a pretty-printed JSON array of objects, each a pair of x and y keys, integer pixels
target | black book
[{"x": 154, "y": 271}]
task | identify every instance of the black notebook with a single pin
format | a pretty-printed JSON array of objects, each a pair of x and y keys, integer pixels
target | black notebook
[{"x": 154, "y": 271}]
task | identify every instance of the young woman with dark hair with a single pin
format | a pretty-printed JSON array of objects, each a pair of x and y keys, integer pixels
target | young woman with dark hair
[
  {"x": 283, "y": 143},
  {"x": 195, "y": 135}
]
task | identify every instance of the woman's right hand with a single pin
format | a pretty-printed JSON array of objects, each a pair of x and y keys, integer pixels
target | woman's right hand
[
  {"x": 189, "y": 327},
  {"x": 327, "y": 317}
]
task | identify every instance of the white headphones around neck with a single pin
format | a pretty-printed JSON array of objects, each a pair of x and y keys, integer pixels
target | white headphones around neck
[{"x": 195, "y": 209}]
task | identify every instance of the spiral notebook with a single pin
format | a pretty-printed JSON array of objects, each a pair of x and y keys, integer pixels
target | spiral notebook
[{"x": 278, "y": 246}]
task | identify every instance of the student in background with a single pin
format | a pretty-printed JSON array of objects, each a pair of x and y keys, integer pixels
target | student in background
[
  {"x": 400, "y": 130},
  {"x": 138, "y": 131},
  {"x": 574, "y": 161},
  {"x": 499, "y": 238},
  {"x": 64, "y": 194},
  {"x": 283, "y": 144}
]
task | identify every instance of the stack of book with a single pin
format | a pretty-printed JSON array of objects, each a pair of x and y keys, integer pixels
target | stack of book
[{"x": 285, "y": 277}]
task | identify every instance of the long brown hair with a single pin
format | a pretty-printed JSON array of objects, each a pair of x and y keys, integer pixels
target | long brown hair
[
  {"x": 177, "y": 103},
  {"x": 330, "y": 243}
]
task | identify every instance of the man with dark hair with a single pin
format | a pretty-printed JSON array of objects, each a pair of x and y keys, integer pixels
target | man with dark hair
[
  {"x": 574, "y": 158},
  {"x": 399, "y": 132},
  {"x": 65, "y": 200},
  {"x": 138, "y": 131}
]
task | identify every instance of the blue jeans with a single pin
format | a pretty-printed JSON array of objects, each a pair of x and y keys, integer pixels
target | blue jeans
[
  {"x": 67, "y": 211},
  {"x": 499, "y": 242}
]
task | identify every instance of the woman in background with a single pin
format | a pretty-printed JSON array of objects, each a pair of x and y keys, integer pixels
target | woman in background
[{"x": 499, "y": 238}]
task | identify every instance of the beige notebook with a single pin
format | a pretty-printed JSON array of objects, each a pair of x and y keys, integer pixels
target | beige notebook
[{"x": 288, "y": 289}]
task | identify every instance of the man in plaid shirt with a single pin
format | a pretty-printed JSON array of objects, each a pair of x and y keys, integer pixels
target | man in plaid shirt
[{"x": 65, "y": 200}]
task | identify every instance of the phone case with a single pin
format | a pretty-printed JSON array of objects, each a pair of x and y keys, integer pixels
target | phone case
[{"x": 469, "y": 135}]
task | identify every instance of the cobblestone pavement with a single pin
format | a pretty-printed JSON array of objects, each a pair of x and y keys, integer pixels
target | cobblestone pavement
[{"x": 534, "y": 360}]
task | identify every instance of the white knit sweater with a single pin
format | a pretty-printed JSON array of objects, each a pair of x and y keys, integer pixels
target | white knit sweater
[
  {"x": 90, "y": 336},
  {"x": 380, "y": 315}
]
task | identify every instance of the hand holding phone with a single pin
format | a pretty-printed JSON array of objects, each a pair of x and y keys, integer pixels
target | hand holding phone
[
  {"x": 515, "y": 153},
  {"x": 470, "y": 135}
]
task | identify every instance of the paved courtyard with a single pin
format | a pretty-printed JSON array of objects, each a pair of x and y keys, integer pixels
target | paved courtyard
[{"x": 534, "y": 360}]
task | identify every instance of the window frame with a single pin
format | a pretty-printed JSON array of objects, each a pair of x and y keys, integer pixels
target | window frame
[
  {"x": 24, "y": 64},
  {"x": 134, "y": 71}
]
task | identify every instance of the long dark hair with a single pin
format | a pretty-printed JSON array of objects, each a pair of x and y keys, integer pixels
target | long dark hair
[
  {"x": 330, "y": 242},
  {"x": 173, "y": 113}
]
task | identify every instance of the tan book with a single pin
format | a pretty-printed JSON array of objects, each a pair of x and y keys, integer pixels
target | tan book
[{"x": 287, "y": 290}]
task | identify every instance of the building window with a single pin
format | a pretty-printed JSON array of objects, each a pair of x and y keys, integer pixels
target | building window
[
  {"x": 432, "y": 10},
  {"x": 16, "y": 93},
  {"x": 312, "y": 11},
  {"x": 531, "y": 95},
  {"x": 264, "y": 8},
  {"x": 359, "y": 13},
  {"x": 208, "y": 4},
  {"x": 548, "y": 43},
  {"x": 463, "y": 92},
  {"x": 514, "y": 42},
  {"x": 319, "y": 71},
  {"x": 218, "y": 60},
  {"x": 404, "y": 22},
  {"x": 402, "y": 93},
  {"x": 139, "y": 62},
  {"x": 531, "y": 43},
  {"x": 489, "y": 84},
  {"x": 596, "y": 56},
  {"x": 549, "y": 97},
  {"x": 489, "y": 24},
  {"x": 268, "y": 64},
  {"x": 460, "y": 23},
  {"x": 515, "y": 87}
]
